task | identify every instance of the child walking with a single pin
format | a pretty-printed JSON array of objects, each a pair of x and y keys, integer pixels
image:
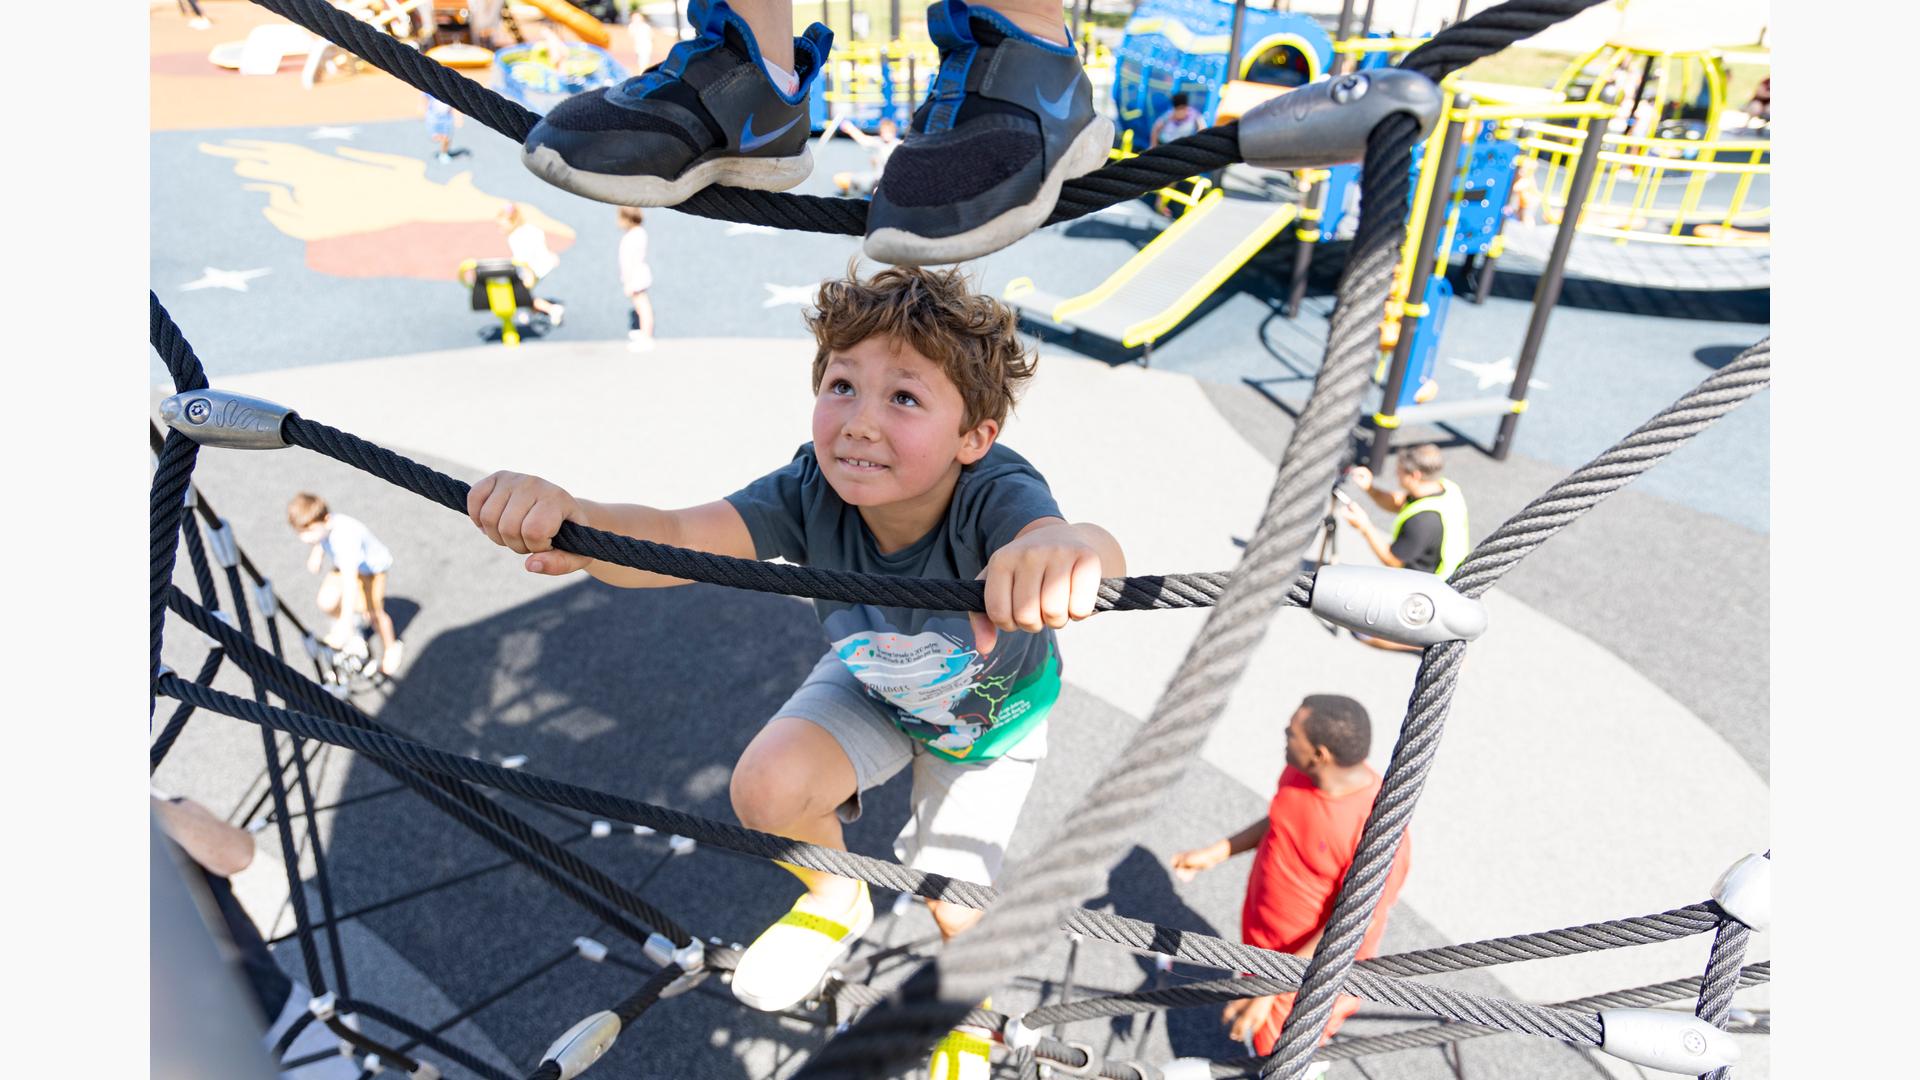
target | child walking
[
  {"x": 355, "y": 563},
  {"x": 636, "y": 277}
]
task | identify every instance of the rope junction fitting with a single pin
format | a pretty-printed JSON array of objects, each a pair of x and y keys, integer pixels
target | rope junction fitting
[{"x": 1379, "y": 117}]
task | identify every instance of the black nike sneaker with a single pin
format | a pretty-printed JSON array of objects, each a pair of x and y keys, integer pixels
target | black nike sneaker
[
  {"x": 707, "y": 114},
  {"x": 1010, "y": 119}
]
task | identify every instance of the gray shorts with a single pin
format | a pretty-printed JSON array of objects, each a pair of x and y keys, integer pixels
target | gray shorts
[{"x": 963, "y": 815}]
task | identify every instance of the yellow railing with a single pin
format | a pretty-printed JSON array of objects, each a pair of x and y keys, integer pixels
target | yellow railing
[{"x": 1650, "y": 190}]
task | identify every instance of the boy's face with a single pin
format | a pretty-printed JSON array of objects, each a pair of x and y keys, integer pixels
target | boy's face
[
  {"x": 886, "y": 424},
  {"x": 315, "y": 532}
]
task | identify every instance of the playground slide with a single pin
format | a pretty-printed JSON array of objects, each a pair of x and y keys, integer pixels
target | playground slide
[
  {"x": 1167, "y": 279},
  {"x": 590, "y": 29}
]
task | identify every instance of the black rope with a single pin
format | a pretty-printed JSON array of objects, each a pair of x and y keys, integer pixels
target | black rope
[
  {"x": 480, "y": 1006},
  {"x": 177, "y": 723},
  {"x": 1143, "y": 936},
  {"x": 424, "y": 1037},
  {"x": 628, "y": 1010},
  {"x": 1145, "y": 593},
  {"x": 1170, "y": 163},
  {"x": 486, "y": 819},
  {"x": 427, "y": 889}
]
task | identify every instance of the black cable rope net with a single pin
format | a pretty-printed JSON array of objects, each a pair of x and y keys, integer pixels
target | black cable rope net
[
  {"x": 1040, "y": 893},
  {"x": 1143, "y": 593}
]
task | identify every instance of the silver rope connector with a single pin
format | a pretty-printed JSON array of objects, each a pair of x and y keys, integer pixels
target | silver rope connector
[
  {"x": 1411, "y": 607},
  {"x": 1662, "y": 1039},
  {"x": 1187, "y": 1069},
  {"x": 661, "y": 950},
  {"x": 1745, "y": 892},
  {"x": 682, "y": 845},
  {"x": 1018, "y": 1036},
  {"x": 1327, "y": 123},
  {"x": 265, "y": 600},
  {"x": 590, "y": 949},
  {"x": 224, "y": 418},
  {"x": 583, "y": 1044},
  {"x": 425, "y": 1070},
  {"x": 220, "y": 541},
  {"x": 322, "y": 1006}
]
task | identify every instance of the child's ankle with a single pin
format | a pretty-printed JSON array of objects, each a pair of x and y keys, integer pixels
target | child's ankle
[
  {"x": 783, "y": 80},
  {"x": 835, "y": 893}
]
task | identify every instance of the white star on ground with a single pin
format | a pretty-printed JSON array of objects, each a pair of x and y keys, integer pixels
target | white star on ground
[
  {"x": 224, "y": 279},
  {"x": 778, "y": 295},
  {"x": 741, "y": 228},
  {"x": 1494, "y": 373},
  {"x": 332, "y": 133}
]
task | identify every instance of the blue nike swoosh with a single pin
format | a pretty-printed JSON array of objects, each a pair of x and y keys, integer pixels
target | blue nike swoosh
[
  {"x": 750, "y": 142},
  {"x": 1057, "y": 107}
]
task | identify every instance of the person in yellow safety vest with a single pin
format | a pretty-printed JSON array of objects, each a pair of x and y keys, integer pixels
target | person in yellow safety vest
[{"x": 1430, "y": 523}]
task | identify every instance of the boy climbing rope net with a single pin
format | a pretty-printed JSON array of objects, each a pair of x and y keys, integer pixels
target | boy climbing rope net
[{"x": 913, "y": 376}]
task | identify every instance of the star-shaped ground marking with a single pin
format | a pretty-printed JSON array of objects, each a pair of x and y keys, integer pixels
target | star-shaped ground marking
[
  {"x": 1493, "y": 373},
  {"x": 224, "y": 279},
  {"x": 779, "y": 295}
]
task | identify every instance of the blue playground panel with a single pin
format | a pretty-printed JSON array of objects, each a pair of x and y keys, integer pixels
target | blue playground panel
[
  {"x": 895, "y": 102},
  {"x": 1426, "y": 339},
  {"x": 1181, "y": 45},
  {"x": 1481, "y": 191}
]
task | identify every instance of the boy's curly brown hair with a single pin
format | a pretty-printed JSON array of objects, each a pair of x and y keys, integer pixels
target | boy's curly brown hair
[{"x": 974, "y": 338}]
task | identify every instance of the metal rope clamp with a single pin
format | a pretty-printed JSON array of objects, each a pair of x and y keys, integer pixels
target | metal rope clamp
[
  {"x": 1327, "y": 123},
  {"x": 1659, "y": 1039},
  {"x": 1744, "y": 892},
  {"x": 226, "y": 550},
  {"x": 224, "y": 418},
  {"x": 1410, "y": 607},
  {"x": 583, "y": 1044},
  {"x": 691, "y": 958}
]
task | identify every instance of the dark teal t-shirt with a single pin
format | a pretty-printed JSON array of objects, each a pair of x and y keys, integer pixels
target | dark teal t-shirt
[{"x": 922, "y": 663}]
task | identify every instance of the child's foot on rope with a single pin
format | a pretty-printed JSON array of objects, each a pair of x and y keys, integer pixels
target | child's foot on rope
[
  {"x": 788, "y": 961},
  {"x": 391, "y": 658},
  {"x": 707, "y": 114},
  {"x": 1010, "y": 120},
  {"x": 963, "y": 1053}
]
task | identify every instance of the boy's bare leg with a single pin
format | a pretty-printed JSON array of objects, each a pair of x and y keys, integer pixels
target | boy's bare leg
[
  {"x": 374, "y": 592},
  {"x": 789, "y": 781},
  {"x": 643, "y": 311},
  {"x": 953, "y": 919},
  {"x": 332, "y": 594},
  {"x": 772, "y": 22}
]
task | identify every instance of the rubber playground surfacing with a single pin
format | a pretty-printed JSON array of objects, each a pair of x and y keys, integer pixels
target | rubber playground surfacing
[{"x": 1657, "y": 601}]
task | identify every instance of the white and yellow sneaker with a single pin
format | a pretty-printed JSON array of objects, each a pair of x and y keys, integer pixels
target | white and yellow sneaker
[{"x": 787, "y": 962}]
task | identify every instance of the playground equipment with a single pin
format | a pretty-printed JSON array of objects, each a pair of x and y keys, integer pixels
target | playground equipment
[
  {"x": 1163, "y": 283},
  {"x": 867, "y": 82},
  {"x": 1176, "y": 46},
  {"x": 460, "y": 55},
  {"x": 591, "y": 30},
  {"x": 500, "y": 286},
  {"x": 544, "y": 74},
  {"x": 1694, "y": 207}
]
